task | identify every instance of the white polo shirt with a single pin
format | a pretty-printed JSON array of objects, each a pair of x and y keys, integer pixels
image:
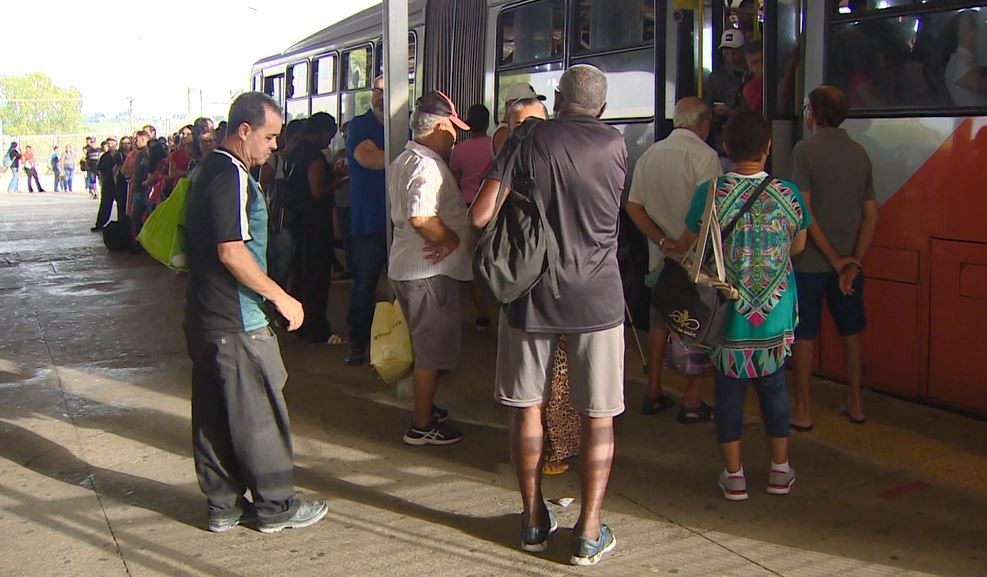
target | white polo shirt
[
  {"x": 419, "y": 183},
  {"x": 664, "y": 179}
]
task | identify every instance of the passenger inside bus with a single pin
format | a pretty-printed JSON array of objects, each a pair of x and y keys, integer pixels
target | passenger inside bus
[{"x": 966, "y": 82}]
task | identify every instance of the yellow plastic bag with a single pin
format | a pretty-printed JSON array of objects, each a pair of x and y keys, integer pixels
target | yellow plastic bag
[{"x": 390, "y": 343}]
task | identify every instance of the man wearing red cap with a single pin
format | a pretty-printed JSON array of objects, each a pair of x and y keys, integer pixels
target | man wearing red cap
[{"x": 431, "y": 253}]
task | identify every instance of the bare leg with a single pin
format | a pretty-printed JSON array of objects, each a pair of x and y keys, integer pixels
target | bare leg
[
  {"x": 731, "y": 456},
  {"x": 692, "y": 396},
  {"x": 596, "y": 459},
  {"x": 527, "y": 445},
  {"x": 779, "y": 449},
  {"x": 425, "y": 382},
  {"x": 853, "y": 349},
  {"x": 801, "y": 372},
  {"x": 479, "y": 302},
  {"x": 657, "y": 341}
]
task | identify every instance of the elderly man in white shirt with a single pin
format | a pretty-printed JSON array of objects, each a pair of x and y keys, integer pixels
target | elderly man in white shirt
[
  {"x": 664, "y": 180},
  {"x": 431, "y": 252}
]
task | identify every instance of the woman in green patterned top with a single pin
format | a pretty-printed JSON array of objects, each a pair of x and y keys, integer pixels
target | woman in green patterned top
[{"x": 759, "y": 332}]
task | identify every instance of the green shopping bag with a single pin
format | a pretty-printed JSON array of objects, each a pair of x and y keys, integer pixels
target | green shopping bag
[{"x": 163, "y": 234}]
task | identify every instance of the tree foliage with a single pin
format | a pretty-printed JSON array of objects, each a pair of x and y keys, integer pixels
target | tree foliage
[{"x": 34, "y": 104}]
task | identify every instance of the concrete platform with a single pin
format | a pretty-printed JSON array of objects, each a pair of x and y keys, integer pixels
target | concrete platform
[{"x": 96, "y": 476}]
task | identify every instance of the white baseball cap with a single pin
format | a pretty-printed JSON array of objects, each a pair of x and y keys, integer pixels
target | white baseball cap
[
  {"x": 732, "y": 38},
  {"x": 521, "y": 91}
]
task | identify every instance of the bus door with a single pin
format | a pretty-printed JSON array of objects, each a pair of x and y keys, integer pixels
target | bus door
[{"x": 739, "y": 55}]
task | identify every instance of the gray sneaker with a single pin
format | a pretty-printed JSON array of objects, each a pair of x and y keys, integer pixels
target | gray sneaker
[
  {"x": 535, "y": 539},
  {"x": 734, "y": 486},
  {"x": 222, "y": 521},
  {"x": 780, "y": 482},
  {"x": 305, "y": 513},
  {"x": 588, "y": 552}
]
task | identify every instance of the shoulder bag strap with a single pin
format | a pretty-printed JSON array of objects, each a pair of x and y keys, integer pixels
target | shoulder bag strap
[
  {"x": 552, "y": 249},
  {"x": 709, "y": 217}
]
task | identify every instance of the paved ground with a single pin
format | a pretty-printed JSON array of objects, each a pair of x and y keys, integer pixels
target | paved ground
[{"x": 96, "y": 476}]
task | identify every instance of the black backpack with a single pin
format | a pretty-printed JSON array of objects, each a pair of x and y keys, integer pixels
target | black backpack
[
  {"x": 116, "y": 234},
  {"x": 518, "y": 245}
]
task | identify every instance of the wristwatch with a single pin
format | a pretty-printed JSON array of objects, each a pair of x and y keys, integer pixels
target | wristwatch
[{"x": 661, "y": 243}]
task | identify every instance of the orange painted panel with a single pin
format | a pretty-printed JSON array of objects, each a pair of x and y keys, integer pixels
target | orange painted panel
[
  {"x": 892, "y": 264},
  {"x": 891, "y": 342},
  {"x": 957, "y": 364}
]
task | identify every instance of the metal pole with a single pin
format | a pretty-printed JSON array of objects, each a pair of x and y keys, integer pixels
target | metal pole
[{"x": 395, "y": 47}]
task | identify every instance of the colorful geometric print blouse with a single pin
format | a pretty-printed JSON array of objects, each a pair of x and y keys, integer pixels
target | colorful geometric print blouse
[{"x": 760, "y": 330}]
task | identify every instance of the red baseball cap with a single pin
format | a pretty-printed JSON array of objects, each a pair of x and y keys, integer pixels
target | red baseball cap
[{"x": 437, "y": 103}]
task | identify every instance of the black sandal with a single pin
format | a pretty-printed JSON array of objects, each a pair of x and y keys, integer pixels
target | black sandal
[
  {"x": 652, "y": 406},
  {"x": 693, "y": 415}
]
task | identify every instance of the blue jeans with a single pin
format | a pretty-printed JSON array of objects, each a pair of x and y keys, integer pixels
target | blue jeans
[
  {"x": 58, "y": 179},
  {"x": 69, "y": 172},
  {"x": 138, "y": 210},
  {"x": 369, "y": 259},
  {"x": 91, "y": 180},
  {"x": 15, "y": 180},
  {"x": 772, "y": 394}
]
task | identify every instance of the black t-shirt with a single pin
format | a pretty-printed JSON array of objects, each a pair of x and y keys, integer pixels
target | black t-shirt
[
  {"x": 141, "y": 171},
  {"x": 15, "y": 159},
  {"x": 93, "y": 155},
  {"x": 224, "y": 204},
  {"x": 316, "y": 215},
  {"x": 105, "y": 168},
  {"x": 580, "y": 165}
]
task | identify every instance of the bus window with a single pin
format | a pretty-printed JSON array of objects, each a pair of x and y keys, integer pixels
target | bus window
[
  {"x": 630, "y": 83},
  {"x": 354, "y": 104},
  {"x": 274, "y": 87},
  {"x": 356, "y": 68},
  {"x": 412, "y": 57},
  {"x": 298, "y": 80},
  {"x": 543, "y": 78},
  {"x": 325, "y": 74},
  {"x": 613, "y": 24},
  {"x": 531, "y": 32},
  {"x": 911, "y": 61},
  {"x": 296, "y": 109},
  {"x": 258, "y": 85},
  {"x": 860, "y": 6},
  {"x": 326, "y": 103}
]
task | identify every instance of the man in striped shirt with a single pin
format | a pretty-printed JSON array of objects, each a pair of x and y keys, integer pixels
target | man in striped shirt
[{"x": 431, "y": 253}]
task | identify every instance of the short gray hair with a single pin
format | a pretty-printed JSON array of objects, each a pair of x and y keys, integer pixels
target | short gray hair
[
  {"x": 583, "y": 89},
  {"x": 424, "y": 123},
  {"x": 690, "y": 112},
  {"x": 251, "y": 108}
]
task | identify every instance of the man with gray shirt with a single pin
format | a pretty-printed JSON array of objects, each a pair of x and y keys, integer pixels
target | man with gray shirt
[
  {"x": 579, "y": 165},
  {"x": 431, "y": 252},
  {"x": 834, "y": 174},
  {"x": 664, "y": 180}
]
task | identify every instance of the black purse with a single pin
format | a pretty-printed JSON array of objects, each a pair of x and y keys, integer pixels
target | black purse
[{"x": 693, "y": 303}]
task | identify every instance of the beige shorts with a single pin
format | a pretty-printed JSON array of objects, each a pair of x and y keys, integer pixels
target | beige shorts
[
  {"x": 431, "y": 307},
  {"x": 596, "y": 369}
]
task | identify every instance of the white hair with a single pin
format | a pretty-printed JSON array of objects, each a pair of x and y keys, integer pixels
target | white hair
[
  {"x": 424, "y": 123},
  {"x": 690, "y": 112}
]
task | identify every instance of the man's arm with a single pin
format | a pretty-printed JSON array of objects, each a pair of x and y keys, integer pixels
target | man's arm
[
  {"x": 483, "y": 209},
  {"x": 440, "y": 240},
  {"x": 838, "y": 261},
  {"x": 318, "y": 184},
  {"x": 368, "y": 155},
  {"x": 241, "y": 264},
  {"x": 644, "y": 223}
]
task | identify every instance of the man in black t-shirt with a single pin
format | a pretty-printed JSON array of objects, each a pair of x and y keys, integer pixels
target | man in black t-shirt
[
  {"x": 579, "y": 165},
  {"x": 92, "y": 153},
  {"x": 310, "y": 200},
  {"x": 241, "y": 437}
]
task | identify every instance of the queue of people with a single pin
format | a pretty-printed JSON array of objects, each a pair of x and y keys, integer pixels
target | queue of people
[{"x": 265, "y": 203}]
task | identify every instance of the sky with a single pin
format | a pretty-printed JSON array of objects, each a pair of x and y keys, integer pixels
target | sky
[{"x": 115, "y": 49}]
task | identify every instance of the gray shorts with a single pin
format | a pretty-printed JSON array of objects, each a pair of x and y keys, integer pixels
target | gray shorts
[
  {"x": 431, "y": 306},
  {"x": 596, "y": 369}
]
